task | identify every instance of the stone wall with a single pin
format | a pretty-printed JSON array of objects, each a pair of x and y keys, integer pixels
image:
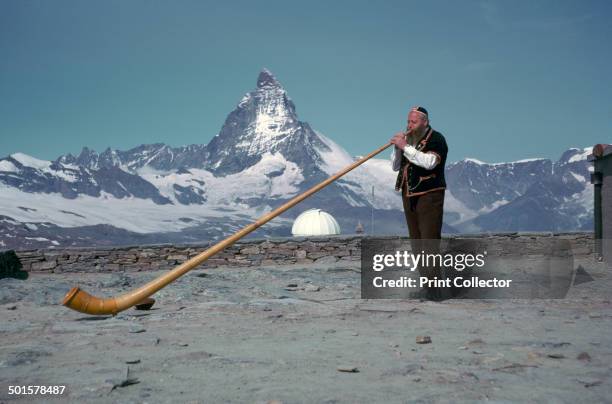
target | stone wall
[{"x": 246, "y": 253}]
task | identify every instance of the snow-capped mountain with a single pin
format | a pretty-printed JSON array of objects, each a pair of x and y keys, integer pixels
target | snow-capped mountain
[
  {"x": 481, "y": 186},
  {"x": 264, "y": 122},
  {"x": 559, "y": 200},
  {"x": 263, "y": 156}
]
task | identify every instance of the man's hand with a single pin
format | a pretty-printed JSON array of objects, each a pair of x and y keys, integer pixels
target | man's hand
[{"x": 399, "y": 140}]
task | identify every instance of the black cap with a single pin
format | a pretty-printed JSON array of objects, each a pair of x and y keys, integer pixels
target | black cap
[{"x": 421, "y": 110}]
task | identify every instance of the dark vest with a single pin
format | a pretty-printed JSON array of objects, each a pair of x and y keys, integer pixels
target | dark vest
[{"x": 414, "y": 180}]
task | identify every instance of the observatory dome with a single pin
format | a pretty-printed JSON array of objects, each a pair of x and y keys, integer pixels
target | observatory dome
[{"x": 315, "y": 222}]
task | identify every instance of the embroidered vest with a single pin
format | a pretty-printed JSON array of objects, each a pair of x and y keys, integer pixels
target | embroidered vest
[{"x": 414, "y": 180}]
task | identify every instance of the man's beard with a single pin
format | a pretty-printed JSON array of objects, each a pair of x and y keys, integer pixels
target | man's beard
[
  {"x": 415, "y": 135},
  {"x": 418, "y": 132}
]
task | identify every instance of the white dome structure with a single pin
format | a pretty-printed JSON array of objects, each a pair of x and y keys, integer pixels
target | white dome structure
[{"x": 315, "y": 222}]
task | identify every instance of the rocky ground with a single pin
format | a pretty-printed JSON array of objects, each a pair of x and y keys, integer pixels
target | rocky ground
[{"x": 297, "y": 334}]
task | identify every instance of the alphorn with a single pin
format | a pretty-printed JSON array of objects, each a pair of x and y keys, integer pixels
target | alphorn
[{"x": 83, "y": 302}]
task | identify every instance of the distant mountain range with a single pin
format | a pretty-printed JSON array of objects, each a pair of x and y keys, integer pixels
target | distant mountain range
[{"x": 263, "y": 156}]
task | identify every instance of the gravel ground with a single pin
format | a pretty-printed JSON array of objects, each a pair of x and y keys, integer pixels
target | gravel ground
[{"x": 302, "y": 334}]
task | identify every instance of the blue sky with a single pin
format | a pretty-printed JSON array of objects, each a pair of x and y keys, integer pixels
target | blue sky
[{"x": 502, "y": 80}]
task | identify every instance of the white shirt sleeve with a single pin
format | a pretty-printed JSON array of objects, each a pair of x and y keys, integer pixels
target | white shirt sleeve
[
  {"x": 396, "y": 159},
  {"x": 425, "y": 160}
]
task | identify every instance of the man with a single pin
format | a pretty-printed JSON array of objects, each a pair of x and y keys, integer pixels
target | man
[{"x": 420, "y": 157}]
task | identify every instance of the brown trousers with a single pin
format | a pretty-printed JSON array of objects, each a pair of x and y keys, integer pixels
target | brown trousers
[
  {"x": 424, "y": 218},
  {"x": 424, "y": 215}
]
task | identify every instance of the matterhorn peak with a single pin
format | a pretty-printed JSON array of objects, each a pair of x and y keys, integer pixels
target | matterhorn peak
[
  {"x": 267, "y": 79},
  {"x": 263, "y": 122}
]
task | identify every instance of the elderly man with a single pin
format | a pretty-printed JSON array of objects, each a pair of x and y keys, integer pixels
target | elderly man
[{"x": 420, "y": 156}]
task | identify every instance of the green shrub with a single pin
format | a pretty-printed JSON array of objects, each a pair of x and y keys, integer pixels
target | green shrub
[{"x": 10, "y": 266}]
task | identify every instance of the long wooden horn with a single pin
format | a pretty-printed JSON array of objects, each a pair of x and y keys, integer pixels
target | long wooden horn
[{"x": 82, "y": 301}]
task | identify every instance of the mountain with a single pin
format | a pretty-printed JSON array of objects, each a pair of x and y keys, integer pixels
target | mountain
[
  {"x": 263, "y": 156},
  {"x": 485, "y": 186},
  {"x": 264, "y": 122},
  {"x": 32, "y": 175},
  {"x": 561, "y": 200}
]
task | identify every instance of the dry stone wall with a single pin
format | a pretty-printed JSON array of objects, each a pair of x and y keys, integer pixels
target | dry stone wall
[{"x": 250, "y": 253}]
